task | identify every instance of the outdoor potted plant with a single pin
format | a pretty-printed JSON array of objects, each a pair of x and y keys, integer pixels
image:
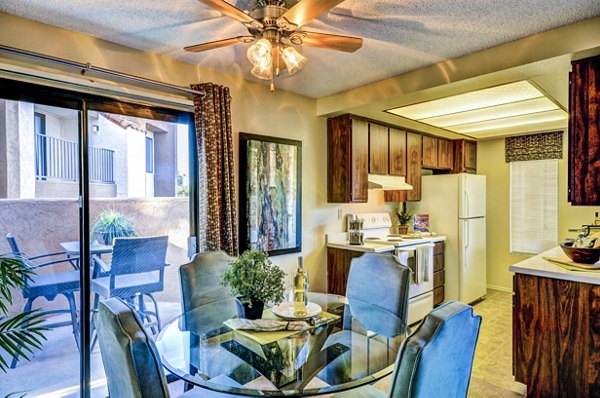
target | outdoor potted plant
[
  {"x": 403, "y": 217},
  {"x": 22, "y": 333},
  {"x": 110, "y": 224},
  {"x": 254, "y": 280}
]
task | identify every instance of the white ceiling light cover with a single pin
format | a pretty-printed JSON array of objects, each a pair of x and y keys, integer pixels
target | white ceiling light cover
[{"x": 493, "y": 108}]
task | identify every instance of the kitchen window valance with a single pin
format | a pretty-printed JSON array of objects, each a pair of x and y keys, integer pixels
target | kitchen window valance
[{"x": 541, "y": 146}]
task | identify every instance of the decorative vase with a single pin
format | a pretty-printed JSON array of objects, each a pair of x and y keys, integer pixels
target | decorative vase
[
  {"x": 253, "y": 310},
  {"x": 403, "y": 229}
]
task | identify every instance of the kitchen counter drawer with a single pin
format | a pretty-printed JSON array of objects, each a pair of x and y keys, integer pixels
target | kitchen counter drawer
[
  {"x": 438, "y": 247},
  {"x": 438, "y": 279},
  {"x": 438, "y": 262},
  {"x": 438, "y": 295}
]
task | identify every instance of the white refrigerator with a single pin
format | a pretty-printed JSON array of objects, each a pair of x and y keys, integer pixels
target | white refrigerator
[{"x": 456, "y": 207}]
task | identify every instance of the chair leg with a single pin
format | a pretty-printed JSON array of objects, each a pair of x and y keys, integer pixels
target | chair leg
[
  {"x": 155, "y": 311},
  {"x": 73, "y": 310},
  {"x": 144, "y": 314},
  {"x": 93, "y": 334},
  {"x": 27, "y": 308}
]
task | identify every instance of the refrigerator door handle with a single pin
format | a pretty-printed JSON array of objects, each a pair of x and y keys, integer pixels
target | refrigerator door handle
[
  {"x": 467, "y": 239},
  {"x": 467, "y": 206}
]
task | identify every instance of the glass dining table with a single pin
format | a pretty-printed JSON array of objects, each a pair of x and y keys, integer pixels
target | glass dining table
[{"x": 334, "y": 354}]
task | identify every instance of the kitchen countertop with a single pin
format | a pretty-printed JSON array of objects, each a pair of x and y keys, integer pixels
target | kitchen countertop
[
  {"x": 537, "y": 266},
  {"x": 339, "y": 241}
]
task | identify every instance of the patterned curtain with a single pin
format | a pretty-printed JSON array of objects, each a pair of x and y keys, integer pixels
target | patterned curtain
[
  {"x": 217, "y": 218},
  {"x": 539, "y": 146}
]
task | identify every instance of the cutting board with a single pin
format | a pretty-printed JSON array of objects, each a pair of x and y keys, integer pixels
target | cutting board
[{"x": 573, "y": 266}]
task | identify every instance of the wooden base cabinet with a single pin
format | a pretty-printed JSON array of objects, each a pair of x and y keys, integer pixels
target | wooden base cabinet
[
  {"x": 556, "y": 337},
  {"x": 338, "y": 269}
]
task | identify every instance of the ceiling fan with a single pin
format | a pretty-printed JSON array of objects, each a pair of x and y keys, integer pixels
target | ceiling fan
[{"x": 274, "y": 28}]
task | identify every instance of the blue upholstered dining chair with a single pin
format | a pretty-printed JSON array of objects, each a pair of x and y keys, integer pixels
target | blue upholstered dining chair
[
  {"x": 131, "y": 361},
  {"x": 136, "y": 270},
  {"x": 377, "y": 292},
  {"x": 49, "y": 285},
  {"x": 436, "y": 360}
]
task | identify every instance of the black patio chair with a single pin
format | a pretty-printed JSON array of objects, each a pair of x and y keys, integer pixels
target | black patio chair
[{"x": 49, "y": 285}]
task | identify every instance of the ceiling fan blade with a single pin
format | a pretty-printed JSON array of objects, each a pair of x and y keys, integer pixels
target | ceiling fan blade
[
  {"x": 227, "y": 9},
  {"x": 347, "y": 44},
  {"x": 219, "y": 43},
  {"x": 305, "y": 11}
]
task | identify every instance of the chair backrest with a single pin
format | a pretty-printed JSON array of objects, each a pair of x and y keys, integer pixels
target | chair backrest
[
  {"x": 201, "y": 279},
  {"x": 135, "y": 255},
  {"x": 437, "y": 359},
  {"x": 201, "y": 285},
  {"x": 377, "y": 291},
  {"x": 130, "y": 358},
  {"x": 12, "y": 242}
]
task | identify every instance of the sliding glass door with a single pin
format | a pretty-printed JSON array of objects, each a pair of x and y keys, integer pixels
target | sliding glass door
[{"x": 84, "y": 177}]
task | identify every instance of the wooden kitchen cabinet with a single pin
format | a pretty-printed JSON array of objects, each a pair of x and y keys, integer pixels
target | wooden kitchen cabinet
[
  {"x": 584, "y": 132},
  {"x": 438, "y": 273},
  {"x": 397, "y": 153},
  {"x": 338, "y": 269},
  {"x": 378, "y": 149},
  {"x": 465, "y": 156},
  {"x": 445, "y": 160},
  {"x": 413, "y": 171},
  {"x": 438, "y": 153},
  {"x": 556, "y": 336},
  {"x": 430, "y": 152},
  {"x": 347, "y": 160}
]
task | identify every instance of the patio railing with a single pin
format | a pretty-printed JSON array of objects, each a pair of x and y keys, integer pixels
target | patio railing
[{"x": 58, "y": 159}]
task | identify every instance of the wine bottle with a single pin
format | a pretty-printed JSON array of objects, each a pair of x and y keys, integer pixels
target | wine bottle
[{"x": 300, "y": 289}]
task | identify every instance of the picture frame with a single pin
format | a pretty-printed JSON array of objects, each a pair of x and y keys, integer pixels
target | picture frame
[{"x": 270, "y": 199}]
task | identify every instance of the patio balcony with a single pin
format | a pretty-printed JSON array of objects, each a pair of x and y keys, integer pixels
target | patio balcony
[{"x": 57, "y": 159}]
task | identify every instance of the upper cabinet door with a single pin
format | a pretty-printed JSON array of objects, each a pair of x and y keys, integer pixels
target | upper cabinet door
[
  {"x": 397, "y": 152},
  {"x": 413, "y": 165},
  {"x": 584, "y": 132},
  {"x": 470, "y": 155},
  {"x": 430, "y": 152},
  {"x": 445, "y": 154},
  {"x": 378, "y": 149},
  {"x": 360, "y": 160}
]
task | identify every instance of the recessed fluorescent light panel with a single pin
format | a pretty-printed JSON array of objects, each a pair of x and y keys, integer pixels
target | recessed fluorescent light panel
[{"x": 500, "y": 109}]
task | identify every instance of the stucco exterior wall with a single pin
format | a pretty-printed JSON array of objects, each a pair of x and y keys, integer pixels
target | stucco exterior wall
[{"x": 40, "y": 225}]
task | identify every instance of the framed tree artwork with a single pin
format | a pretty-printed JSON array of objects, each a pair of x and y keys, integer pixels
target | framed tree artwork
[{"x": 270, "y": 204}]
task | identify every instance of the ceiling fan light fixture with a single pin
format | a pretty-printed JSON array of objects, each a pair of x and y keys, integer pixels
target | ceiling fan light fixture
[
  {"x": 264, "y": 71},
  {"x": 294, "y": 61},
  {"x": 260, "y": 52}
]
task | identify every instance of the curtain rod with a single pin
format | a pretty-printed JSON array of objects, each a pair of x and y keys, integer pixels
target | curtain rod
[{"x": 87, "y": 67}]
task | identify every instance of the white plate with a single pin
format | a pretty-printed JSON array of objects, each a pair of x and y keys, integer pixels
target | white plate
[{"x": 286, "y": 310}]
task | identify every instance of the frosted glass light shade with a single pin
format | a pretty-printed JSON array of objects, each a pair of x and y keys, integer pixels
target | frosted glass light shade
[
  {"x": 264, "y": 72},
  {"x": 259, "y": 52},
  {"x": 294, "y": 61}
]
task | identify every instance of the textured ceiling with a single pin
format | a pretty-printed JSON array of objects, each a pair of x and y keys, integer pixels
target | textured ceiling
[{"x": 399, "y": 36}]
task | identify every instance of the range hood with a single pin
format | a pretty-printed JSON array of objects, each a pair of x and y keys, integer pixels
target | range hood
[{"x": 388, "y": 183}]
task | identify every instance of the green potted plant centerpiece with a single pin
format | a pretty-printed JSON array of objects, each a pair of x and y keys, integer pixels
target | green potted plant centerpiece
[
  {"x": 403, "y": 217},
  {"x": 110, "y": 224},
  {"x": 254, "y": 280}
]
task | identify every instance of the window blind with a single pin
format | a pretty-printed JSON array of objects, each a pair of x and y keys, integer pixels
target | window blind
[{"x": 533, "y": 206}]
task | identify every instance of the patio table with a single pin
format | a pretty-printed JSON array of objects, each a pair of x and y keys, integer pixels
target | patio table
[
  {"x": 72, "y": 250},
  {"x": 201, "y": 349}
]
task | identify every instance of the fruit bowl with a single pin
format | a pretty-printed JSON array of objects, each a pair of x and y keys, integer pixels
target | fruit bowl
[{"x": 581, "y": 255}]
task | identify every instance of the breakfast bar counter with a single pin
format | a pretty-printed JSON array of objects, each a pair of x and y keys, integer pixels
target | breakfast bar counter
[
  {"x": 556, "y": 328},
  {"x": 539, "y": 266}
]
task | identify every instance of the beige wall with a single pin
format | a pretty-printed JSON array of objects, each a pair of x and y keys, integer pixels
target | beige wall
[
  {"x": 490, "y": 161},
  {"x": 254, "y": 110}
]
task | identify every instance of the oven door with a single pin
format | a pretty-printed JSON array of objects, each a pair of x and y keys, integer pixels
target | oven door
[{"x": 419, "y": 260}]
